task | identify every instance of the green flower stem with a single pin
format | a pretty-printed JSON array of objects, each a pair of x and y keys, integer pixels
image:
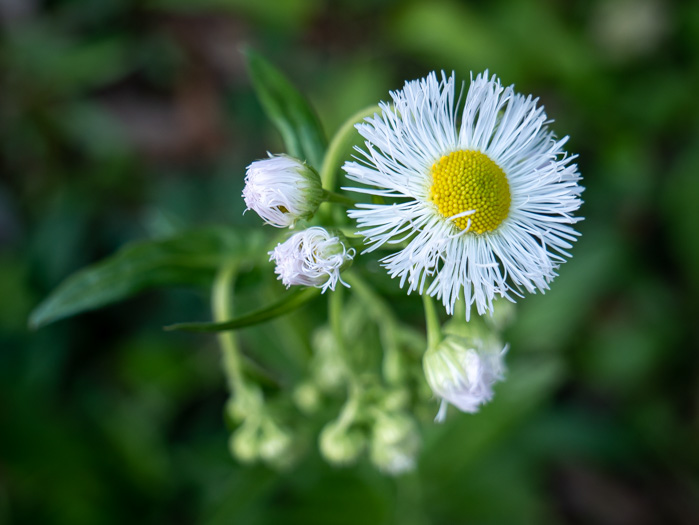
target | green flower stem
[
  {"x": 338, "y": 145},
  {"x": 335, "y": 317},
  {"x": 388, "y": 327},
  {"x": 334, "y": 156},
  {"x": 353, "y": 384},
  {"x": 331, "y": 196},
  {"x": 222, "y": 306},
  {"x": 434, "y": 331},
  {"x": 351, "y": 406}
]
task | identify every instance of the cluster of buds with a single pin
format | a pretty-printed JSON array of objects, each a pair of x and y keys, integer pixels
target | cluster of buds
[
  {"x": 282, "y": 191},
  {"x": 392, "y": 439},
  {"x": 461, "y": 369},
  {"x": 259, "y": 436}
]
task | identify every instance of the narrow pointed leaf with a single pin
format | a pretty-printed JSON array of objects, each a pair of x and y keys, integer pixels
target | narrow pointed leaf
[
  {"x": 288, "y": 109},
  {"x": 287, "y": 304},
  {"x": 187, "y": 259}
]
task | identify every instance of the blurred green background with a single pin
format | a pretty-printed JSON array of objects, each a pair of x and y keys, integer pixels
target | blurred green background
[{"x": 121, "y": 120}]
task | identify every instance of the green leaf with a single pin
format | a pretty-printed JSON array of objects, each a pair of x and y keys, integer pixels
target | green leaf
[
  {"x": 288, "y": 110},
  {"x": 285, "y": 305},
  {"x": 189, "y": 258}
]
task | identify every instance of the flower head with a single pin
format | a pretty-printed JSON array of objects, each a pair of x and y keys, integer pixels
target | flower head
[
  {"x": 282, "y": 190},
  {"x": 313, "y": 257},
  {"x": 481, "y": 193},
  {"x": 463, "y": 370}
]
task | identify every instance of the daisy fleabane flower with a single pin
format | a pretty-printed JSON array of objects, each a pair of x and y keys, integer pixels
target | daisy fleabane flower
[
  {"x": 312, "y": 257},
  {"x": 481, "y": 195},
  {"x": 282, "y": 190}
]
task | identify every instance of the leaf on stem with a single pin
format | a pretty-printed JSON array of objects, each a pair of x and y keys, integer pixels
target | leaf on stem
[
  {"x": 287, "y": 108},
  {"x": 191, "y": 258},
  {"x": 286, "y": 304}
]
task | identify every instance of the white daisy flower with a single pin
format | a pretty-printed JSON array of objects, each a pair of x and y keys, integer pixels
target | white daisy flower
[
  {"x": 282, "y": 190},
  {"x": 463, "y": 370},
  {"x": 313, "y": 257},
  {"x": 482, "y": 193}
]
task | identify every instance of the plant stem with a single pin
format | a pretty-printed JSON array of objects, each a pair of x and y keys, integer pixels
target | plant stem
[
  {"x": 335, "y": 317},
  {"x": 388, "y": 327},
  {"x": 334, "y": 156},
  {"x": 342, "y": 139},
  {"x": 222, "y": 306},
  {"x": 331, "y": 196},
  {"x": 434, "y": 331}
]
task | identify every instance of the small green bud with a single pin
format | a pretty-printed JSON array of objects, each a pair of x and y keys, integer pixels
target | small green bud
[
  {"x": 276, "y": 445},
  {"x": 340, "y": 445},
  {"x": 328, "y": 366},
  {"x": 244, "y": 443},
  {"x": 306, "y": 397},
  {"x": 395, "y": 442}
]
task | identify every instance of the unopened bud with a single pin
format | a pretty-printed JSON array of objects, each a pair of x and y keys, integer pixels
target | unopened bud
[
  {"x": 276, "y": 445},
  {"x": 244, "y": 443},
  {"x": 463, "y": 370},
  {"x": 328, "y": 366},
  {"x": 313, "y": 257},
  {"x": 282, "y": 190},
  {"x": 340, "y": 445},
  {"x": 395, "y": 442},
  {"x": 306, "y": 397}
]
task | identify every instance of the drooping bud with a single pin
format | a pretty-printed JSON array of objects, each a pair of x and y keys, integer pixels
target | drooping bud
[
  {"x": 276, "y": 445},
  {"x": 306, "y": 397},
  {"x": 463, "y": 370},
  {"x": 340, "y": 445},
  {"x": 313, "y": 257},
  {"x": 395, "y": 442},
  {"x": 282, "y": 190},
  {"x": 244, "y": 443},
  {"x": 328, "y": 366}
]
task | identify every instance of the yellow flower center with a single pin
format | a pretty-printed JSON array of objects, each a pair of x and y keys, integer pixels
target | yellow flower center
[{"x": 466, "y": 181}]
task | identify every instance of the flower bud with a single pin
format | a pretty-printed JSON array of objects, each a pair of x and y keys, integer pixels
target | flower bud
[
  {"x": 395, "y": 442},
  {"x": 282, "y": 190},
  {"x": 463, "y": 370},
  {"x": 276, "y": 445},
  {"x": 313, "y": 257},
  {"x": 244, "y": 443},
  {"x": 340, "y": 445},
  {"x": 307, "y": 397},
  {"x": 328, "y": 366}
]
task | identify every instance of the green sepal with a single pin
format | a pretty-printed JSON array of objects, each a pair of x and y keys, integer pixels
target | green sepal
[
  {"x": 191, "y": 258},
  {"x": 286, "y": 304},
  {"x": 288, "y": 109}
]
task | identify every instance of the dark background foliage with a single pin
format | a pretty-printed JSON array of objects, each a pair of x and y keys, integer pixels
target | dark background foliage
[{"x": 121, "y": 120}]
